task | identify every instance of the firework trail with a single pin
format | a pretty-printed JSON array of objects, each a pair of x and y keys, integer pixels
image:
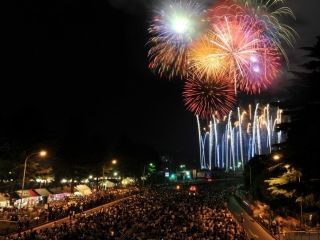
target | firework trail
[{"x": 237, "y": 138}]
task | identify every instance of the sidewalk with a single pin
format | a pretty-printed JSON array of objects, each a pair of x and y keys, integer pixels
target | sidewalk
[{"x": 254, "y": 229}]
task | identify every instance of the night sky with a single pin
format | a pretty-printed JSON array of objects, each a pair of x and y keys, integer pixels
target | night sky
[{"x": 79, "y": 69}]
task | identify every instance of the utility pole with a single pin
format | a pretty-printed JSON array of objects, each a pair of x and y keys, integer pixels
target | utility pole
[
  {"x": 300, "y": 208},
  {"x": 250, "y": 179},
  {"x": 144, "y": 173}
]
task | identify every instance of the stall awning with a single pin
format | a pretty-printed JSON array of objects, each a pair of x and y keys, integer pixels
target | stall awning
[
  {"x": 27, "y": 193},
  {"x": 3, "y": 198},
  {"x": 42, "y": 192},
  {"x": 59, "y": 190}
]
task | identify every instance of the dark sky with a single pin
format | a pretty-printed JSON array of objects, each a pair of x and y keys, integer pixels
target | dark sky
[{"x": 82, "y": 65}]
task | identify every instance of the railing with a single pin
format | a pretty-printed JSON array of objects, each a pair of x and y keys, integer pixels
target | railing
[{"x": 300, "y": 235}]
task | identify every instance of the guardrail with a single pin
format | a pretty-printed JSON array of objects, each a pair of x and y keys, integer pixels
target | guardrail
[{"x": 300, "y": 235}]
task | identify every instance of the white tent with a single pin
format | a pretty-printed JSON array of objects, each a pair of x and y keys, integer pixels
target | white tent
[
  {"x": 83, "y": 190},
  {"x": 4, "y": 201},
  {"x": 108, "y": 184}
]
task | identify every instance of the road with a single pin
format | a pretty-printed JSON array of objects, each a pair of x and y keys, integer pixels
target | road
[{"x": 254, "y": 229}]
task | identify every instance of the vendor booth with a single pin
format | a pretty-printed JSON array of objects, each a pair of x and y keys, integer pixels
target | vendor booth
[
  {"x": 29, "y": 198},
  {"x": 44, "y": 193},
  {"x": 4, "y": 201},
  {"x": 59, "y": 193},
  {"x": 84, "y": 190}
]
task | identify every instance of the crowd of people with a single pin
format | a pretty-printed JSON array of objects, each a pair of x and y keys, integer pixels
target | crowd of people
[
  {"x": 69, "y": 206},
  {"x": 153, "y": 214}
]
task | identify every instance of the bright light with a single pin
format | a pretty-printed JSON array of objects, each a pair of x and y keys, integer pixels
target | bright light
[
  {"x": 193, "y": 189},
  {"x": 127, "y": 181},
  {"x": 180, "y": 24},
  {"x": 90, "y": 177},
  {"x": 43, "y": 153},
  {"x": 178, "y": 187},
  {"x": 115, "y": 174},
  {"x": 276, "y": 157},
  {"x": 64, "y": 180},
  {"x": 256, "y": 69},
  {"x": 172, "y": 176},
  {"x": 114, "y": 161},
  {"x": 151, "y": 164},
  {"x": 253, "y": 59}
]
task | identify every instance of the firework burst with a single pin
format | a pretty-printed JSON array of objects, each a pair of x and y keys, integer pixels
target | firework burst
[
  {"x": 252, "y": 61},
  {"x": 270, "y": 13},
  {"x": 173, "y": 28},
  {"x": 202, "y": 63},
  {"x": 206, "y": 97}
]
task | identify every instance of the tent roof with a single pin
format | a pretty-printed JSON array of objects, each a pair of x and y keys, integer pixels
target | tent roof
[
  {"x": 3, "y": 197},
  {"x": 26, "y": 193},
  {"x": 42, "y": 191},
  {"x": 57, "y": 190}
]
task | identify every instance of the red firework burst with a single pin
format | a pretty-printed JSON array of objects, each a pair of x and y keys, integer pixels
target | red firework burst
[{"x": 205, "y": 97}]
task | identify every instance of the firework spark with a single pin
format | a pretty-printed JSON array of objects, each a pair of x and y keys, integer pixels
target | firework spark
[
  {"x": 173, "y": 28},
  {"x": 201, "y": 61},
  {"x": 205, "y": 97},
  {"x": 251, "y": 59},
  {"x": 271, "y": 13}
]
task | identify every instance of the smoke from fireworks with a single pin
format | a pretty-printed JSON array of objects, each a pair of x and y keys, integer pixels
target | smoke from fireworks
[{"x": 205, "y": 97}]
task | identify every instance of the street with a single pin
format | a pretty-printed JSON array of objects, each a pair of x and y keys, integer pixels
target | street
[{"x": 250, "y": 225}]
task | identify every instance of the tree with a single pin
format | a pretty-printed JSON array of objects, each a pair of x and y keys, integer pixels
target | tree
[
  {"x": 304, "y": 128},
  {"x": 282, "y": 184}
]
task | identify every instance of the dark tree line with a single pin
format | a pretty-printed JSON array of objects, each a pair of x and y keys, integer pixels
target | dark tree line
[{"x": 294, "y": 179}]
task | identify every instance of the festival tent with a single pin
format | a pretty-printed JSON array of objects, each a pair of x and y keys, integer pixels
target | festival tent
[
  {"x": 84, "y": 190},
  {"x": 59, "y": 193},
  {"x": 30, "y": 198},
  {"x": 4, "y": 200},
  {"x": 42, "y": 192},
  {"x": 108, "y": 184}
]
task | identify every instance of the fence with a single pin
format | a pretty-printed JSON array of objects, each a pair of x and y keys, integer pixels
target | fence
[{"x": 300, "y": 235}]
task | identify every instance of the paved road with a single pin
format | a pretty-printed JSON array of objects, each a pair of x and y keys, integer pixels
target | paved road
[
  {"x": 66, "y": 219},
  {"x": 254, "y": 229}
]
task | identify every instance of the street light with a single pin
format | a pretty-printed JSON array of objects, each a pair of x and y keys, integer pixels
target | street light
[
  {"x": 113, "y": 162},
  {"x": 43, "y": 153},
  {"x": 276, "y": 157},
  {"x": 40, "y": 154}
]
